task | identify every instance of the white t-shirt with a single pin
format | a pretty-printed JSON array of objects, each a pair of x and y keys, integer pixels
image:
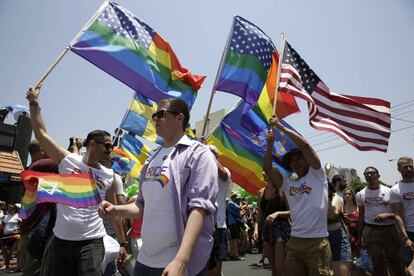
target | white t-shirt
[
  {"x": 404, "y": 193},
  {"x": 77, "y": 224},
  {"x": 308, "y": 202},
  {"x": 119, "y": 190},
  {"x": 375, "y": 202},
  {"x": 11, "y": 224},
  {"x": 119, "y": 185},
  {"x": 159, "y": 236},
  {"x": 223, "y": 187}
]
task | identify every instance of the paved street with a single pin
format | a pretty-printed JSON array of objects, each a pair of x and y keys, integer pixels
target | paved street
[
  {"x": 245, "y": 268},
  {"x": 230, "y": 268}
]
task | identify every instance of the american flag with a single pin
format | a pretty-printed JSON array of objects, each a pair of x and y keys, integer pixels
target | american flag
[
  {"x": 247, "y": 38},
  {"x": 365, "y": 123}
]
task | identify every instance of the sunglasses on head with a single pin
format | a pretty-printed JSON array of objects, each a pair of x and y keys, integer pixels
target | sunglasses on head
[
  {"x": 108, "y": 146},
  {"x": 162, "y": 113}
]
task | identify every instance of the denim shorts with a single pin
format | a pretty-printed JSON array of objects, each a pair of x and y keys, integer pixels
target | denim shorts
[{"x": 340, "y": 245}]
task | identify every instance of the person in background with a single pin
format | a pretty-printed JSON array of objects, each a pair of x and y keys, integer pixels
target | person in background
[
  {"x": 219, "y": 251},
  {"x": 339, "y": 184},
  {"x": 351, "y": 214},
  {"x": 273, "y": 216},
  {"x": 11, "y": 230},
  {"x": 118, "y": 230},
  {"x": 338, "y": 235},
  {"x": 377, "y": 232},
  {"x": 402, "y": 203},
  {"x": 36, "y": 230},
  {"x": 234, "y": 218}
]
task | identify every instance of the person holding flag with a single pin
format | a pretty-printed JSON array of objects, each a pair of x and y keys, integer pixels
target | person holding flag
[
  {"x": 78, "y": 231},
  {"x": 307, "y": 251}
]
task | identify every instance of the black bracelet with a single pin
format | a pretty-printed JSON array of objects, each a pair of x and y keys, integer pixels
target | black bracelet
[
  {"x": 123, "y": 244},
  {"x": 34, "y": 103}
]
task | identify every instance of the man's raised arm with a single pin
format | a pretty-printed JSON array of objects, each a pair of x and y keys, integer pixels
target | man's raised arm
[
  {"x": 272, "y": 174},
  {"x": 308, "y": 153},
  {"x": 53, "y": 150}
]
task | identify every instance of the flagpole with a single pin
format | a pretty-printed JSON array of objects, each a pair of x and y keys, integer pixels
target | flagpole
[
  {"x": 213, "y": 91},
  {"x": 279, "y": 70},
  {"x": 67, "y": 48}
]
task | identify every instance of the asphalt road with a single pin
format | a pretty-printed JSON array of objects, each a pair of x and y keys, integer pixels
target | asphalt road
[
  {"x": 230, "y": 268},
  {"x": 245, "y": 268}
]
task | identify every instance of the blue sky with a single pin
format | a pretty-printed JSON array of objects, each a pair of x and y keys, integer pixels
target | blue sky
[{"x": 362, "y": 48}]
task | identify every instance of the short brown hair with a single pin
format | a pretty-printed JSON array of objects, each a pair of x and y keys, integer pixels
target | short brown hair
[{"x": 178, "y": 106}]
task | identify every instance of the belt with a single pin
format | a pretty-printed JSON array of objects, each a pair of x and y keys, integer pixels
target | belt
[{"x": 379, "y": 226}]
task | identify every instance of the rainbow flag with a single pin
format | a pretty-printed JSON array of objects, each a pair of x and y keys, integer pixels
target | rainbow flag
[
  {"x": 248, "y": 57},
  {"x": 138, "y": 120},
  {"x": 286, "y": 103},
  {"x": 242, "y": 151},
  {"x": 132, "y": 155},
  {"x": 132, "y": 52},
  {"x": 76, "y": 190}
]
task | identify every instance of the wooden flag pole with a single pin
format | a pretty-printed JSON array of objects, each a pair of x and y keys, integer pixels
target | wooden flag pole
[
  {"x": 279, "y": 70},
  {"x": 67, "y": 48},
  {"x": 213, "y": 91}
]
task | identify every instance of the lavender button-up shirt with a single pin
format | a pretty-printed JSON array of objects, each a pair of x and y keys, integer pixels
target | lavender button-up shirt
[{"x": 195, "y": 184}]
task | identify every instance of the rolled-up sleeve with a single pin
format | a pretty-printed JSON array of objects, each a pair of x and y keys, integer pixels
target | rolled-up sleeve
[{"x": 202, "y": 185}]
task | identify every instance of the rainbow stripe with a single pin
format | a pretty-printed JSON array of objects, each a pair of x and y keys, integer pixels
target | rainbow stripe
[
  {"x": 76, "y": 190},
  {"x": 242, "y": 150},
  {"x": 286, "y": 103},
  {"x": 132, "y": 52},
  {"x": 247, "y": 61}
]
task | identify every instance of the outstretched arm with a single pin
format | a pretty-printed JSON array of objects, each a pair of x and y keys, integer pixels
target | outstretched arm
[
  {"x": 272, "y": 174},
  {"x": 308, "y": 153},
  {"x": 53, "y": 150}
]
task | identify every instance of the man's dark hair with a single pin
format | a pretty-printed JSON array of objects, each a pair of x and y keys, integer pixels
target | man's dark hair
[
  {"x": 178, "y": 106},
  {"x": 370, "y": 167},
  {"x": 34, "y": 146},
  {"x": 338, "y": 179},
  {"x": 96, "y": 135}
]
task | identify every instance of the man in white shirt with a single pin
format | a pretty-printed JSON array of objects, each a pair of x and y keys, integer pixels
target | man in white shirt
[
  {"x": 376, "y": 226},
  {"x": 219, "y": 252},
  {"x": 402, "y": 203},
  {"x": 77, "y": 247},
  {"x": 307, "y": 251}
]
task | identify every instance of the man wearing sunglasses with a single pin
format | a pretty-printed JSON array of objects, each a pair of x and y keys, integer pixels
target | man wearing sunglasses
[
  {"x": 77, "y": 247},
  {"x": 377, "y": 231},
  {"x": 178, "y": 185}
]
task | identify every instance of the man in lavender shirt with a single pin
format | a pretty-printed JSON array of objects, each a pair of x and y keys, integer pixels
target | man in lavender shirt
[{"x": 178, "y": 185}]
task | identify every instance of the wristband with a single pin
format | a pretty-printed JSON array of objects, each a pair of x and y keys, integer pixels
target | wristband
[
  {"x": 34, "y": 103},
  {"x": 123, "y": 244}
]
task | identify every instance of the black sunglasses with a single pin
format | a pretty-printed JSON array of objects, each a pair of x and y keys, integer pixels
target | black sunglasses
[
  {"x": 162, "y": 113},
  {"x": 108, "y": 146},
  {"x": 370, "y": 173}
]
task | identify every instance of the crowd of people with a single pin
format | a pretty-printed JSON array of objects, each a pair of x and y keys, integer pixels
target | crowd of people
[{"x": 182, "y": 223}]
